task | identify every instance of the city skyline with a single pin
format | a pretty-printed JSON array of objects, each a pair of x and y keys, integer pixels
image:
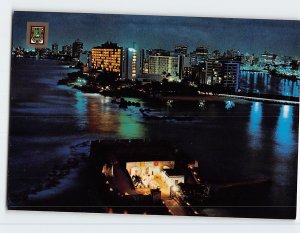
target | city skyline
[{"x": 245, "y": 35}]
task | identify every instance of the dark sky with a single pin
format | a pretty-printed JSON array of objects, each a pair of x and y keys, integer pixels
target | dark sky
[{"x": 253, "y": 36}]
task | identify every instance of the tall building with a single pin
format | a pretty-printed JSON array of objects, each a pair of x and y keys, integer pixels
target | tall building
[
  {"x": 129, "y": 63},
  {"x": 142, "y": 61},
  {"x": 200, "y": 55},
  {"x": 164, "y": 65},
  {"x": 266, "y": 58},
  {"x": 67, "y": 50},
  {"x": 54, "y": 48},
  {"x": 181, "y": 63},
  {"x": 77, "y": 48},
  {"x": 230, "y": 75},
  {"x": 199, "y": 73},
  {"x": 213, "y": 72},
  {"x": 85, "y": 58},
  {"x": 181, "y": 49},
  {"x": 108, "y": 58}
]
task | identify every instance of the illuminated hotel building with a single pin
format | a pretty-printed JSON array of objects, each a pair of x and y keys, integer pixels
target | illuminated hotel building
[
  {"x": 108, "y": 58},
  {"x": 164, "y": 65},
  {"x": 129, "y": 68}
]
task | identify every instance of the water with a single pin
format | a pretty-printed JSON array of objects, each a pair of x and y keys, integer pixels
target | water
[
  {"x": 247, "y": 140},
  {"x": 261, "y": 82}
]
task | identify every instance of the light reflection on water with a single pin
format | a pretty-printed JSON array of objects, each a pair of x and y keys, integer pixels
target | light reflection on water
[
  {"x": 264, "y": 83},
  {"x": 283, "y": 134},
  {"x": 98, "y": 115},
  {"x": 255, "y": 125}
]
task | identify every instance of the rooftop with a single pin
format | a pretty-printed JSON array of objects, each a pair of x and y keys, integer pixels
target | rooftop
[{"x": 134, "y": 150}]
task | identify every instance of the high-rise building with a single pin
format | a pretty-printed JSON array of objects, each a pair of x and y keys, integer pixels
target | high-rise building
[
  {"x": 129, "y": 63},
  {"x": 213, "y": 72},
  {"x": 230, "y": 75},
  {"x": 200, "y": 55},
  {"x": 267, "y": 58},
  {"x": 108, "y": 58},
  {"x": 181, "y": 62},
  {"x": 54, "y": 48},
  {"x": 77, "y": 48},
  {"x": 142, "y": 61},
  {"x": 199, "y": 73},
  {"x": 181, "y": 49},
  {"x": 164, "y": 65},
  {"x": 85, "y": 58},
  {"x": 67, "y": 50}
]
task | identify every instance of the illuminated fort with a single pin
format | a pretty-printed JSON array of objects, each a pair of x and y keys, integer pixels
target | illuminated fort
[{"x": 144, "y": 166}]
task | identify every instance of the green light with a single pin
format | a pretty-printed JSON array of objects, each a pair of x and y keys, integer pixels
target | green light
[{"x": 129, "y": 128}]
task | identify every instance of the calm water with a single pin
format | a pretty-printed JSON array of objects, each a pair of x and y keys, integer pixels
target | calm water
[{"x": 251, "y": 139}]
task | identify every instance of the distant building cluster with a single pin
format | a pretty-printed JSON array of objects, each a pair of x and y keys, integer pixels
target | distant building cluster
[{"x": 200, "y": 66}]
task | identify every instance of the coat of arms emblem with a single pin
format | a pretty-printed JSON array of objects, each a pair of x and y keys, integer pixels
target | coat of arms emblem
[{"x": 37, "y": 35}]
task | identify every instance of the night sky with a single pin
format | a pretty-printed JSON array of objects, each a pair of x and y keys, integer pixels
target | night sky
[{"x": 253, "y": 36}]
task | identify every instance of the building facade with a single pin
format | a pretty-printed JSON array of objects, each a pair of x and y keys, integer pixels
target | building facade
[
  {"x": 108, "y": 58},
  {"x": 231, "y": 75},
  {"x": 181, "y": 49},
  {"x": 200, "y": 55},
  {"x": 77, "y": 49},
  {"x": 213, "y": 72},
  {"x": 67, "y": 50},
  {"x": 164, "y": 65},
  {"x": 54, "y": 48},
  {"x": 129, "y": 63}
]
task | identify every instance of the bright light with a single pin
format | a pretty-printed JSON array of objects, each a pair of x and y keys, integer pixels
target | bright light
[
  {"x": 256, "y": 106},
  {"x": 175, "y": 188},
  {"x": 131, "y": 50},
  {"x": 229, "y": 104},
  {"x": 286, "y": 109}
]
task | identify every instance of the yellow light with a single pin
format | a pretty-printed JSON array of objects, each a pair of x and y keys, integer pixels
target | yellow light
[{"x": 175, "y": 188}]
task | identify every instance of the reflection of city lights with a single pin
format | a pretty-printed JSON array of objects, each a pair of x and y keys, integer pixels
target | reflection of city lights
[
  {"x": 256, "y": 106},
  {"x": 286, "y": 109},
  {"x": 229, "y": 104}
]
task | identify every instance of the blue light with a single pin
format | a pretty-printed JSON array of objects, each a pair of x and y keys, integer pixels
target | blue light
[
  {"x": 131, "y": 50},
  {"x": 284, "y": 133},
  {"x": 229, "y": 104},
  {"x": 255, "y": 125},
  {"x": 80, "y": 103}
]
